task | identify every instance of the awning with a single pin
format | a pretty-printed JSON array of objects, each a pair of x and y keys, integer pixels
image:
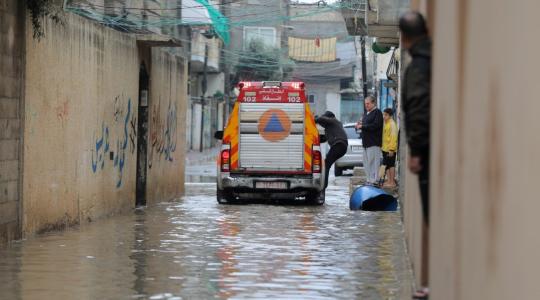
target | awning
[
  {"x": 312, "y": 50},
  {"x": 156, "y": 40},
  {"x": 200, "y": 12}
]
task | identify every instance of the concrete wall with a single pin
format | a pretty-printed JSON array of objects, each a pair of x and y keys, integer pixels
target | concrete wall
[
  {"x": 484, "y": 239},
  {"x": 11, "y": 104},
  {"x": 325, "y": 96},
  {"x": 167, "y": 139},
  {"x": 81, "y": 89},
  {"x": 216, "y": 83},
  {"x": 81, "y": 93},
  {"x": 308, "y": 21},
  {"x": 412, "y": 217},
  {"x": 410, "y": 200},
  {"x": 333, "y": 104},
  {"x": 483, "y": 242},
  {"x": 198, "y": 45}
]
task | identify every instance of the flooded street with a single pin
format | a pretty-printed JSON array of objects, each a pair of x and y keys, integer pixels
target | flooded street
[{"x": 194, "y": 248}]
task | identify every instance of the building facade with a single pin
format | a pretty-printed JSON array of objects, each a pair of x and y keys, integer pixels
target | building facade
[
  {"x": 206, "y": 90},
  {"x": 325, "y": 59}
]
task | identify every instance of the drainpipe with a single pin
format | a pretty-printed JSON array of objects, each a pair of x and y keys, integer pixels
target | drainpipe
[{"x": 204, "y": 87}]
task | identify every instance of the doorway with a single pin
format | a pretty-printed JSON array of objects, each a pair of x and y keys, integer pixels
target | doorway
[{"x": 142, "y": 136}]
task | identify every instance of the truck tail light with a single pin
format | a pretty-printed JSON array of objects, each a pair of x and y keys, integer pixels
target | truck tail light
[
  {"x": 225, "y": 160},
  {"x": 317, "y": 161}
]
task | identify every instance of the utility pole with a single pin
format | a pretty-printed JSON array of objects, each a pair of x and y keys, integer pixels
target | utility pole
[
  {"x": 226, "y": 10},
  {"x": 364, "y": 71}
]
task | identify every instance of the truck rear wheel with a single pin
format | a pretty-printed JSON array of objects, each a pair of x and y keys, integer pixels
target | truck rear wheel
[
  {"x": 317, "y": 198},
  {"x": 223, "y": 197}
]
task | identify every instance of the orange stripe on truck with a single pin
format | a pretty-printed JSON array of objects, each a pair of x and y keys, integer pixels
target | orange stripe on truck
[
  {"x": 311, "y": 137},
  {"x": 230, "y": 136}
]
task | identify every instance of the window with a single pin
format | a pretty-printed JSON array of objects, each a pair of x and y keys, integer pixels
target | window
[
  {"x": 345, "y": 83},
  {"x": 311, "y": 98},
  {"x": 265, "y": 34}
]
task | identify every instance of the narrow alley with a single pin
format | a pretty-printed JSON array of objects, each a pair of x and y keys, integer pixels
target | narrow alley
[{"x": 194, "y": 248}]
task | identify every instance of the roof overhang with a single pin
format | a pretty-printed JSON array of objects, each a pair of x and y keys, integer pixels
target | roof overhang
[{"x": 156, "y": 40}]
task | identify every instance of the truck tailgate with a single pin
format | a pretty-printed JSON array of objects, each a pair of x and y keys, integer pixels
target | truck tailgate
[{"x": 271, "y": 136}]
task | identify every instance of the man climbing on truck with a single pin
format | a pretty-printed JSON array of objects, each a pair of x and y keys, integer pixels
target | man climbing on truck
[{"x": 337, "y": 139}]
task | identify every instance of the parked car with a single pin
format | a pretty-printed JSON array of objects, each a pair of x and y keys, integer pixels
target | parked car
[{"x": 355, "y": 152}]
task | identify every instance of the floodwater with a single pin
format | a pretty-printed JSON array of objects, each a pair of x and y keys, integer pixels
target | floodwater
[{"x": 194, "y": 248}]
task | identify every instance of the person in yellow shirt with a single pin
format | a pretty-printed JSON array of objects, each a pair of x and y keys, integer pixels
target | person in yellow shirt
[{"x": 389, "y": 146}]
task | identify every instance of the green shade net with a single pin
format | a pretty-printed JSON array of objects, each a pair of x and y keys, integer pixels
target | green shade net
[
  {"x": 379, "y": 49},
  {"x": 220, "y": 22}
]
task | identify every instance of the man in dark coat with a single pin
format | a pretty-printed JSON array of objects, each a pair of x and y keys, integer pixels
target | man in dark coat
[
  {"x": 337, "y": 139},
  {"x": 416, "y": 97},
  {"x": 372, "y": 132}
]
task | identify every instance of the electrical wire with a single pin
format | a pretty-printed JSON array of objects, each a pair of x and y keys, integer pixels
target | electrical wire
[{"x": 127, "y": 22}]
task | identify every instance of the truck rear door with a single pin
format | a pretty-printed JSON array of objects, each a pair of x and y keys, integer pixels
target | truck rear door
[{"x": 271, "y": 134}]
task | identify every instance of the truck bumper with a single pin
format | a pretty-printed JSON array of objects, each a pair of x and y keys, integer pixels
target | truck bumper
[{"x": 245, "y": 186}]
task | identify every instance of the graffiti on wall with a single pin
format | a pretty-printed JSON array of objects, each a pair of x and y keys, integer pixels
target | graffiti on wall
[
  {"x": 133, "y": 134},
  {"x": 118, "y": 109},
  {"x": 101, "y": 149},
  {"x": 112, "y": 142},
  {"x": 163, "y": 134},
  {"x": 62, "y": 111}
]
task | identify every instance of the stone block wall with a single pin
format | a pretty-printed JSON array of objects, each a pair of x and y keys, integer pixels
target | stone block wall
[{"x": 11, "y": 99}]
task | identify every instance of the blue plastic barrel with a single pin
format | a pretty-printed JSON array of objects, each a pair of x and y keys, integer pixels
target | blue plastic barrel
[{"x": 372, "y": 199}]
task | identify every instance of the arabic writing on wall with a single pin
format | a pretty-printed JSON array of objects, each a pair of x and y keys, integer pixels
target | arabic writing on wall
[
  {"x": 112, "y": 141},
  {"x": 163, "y": 134}
]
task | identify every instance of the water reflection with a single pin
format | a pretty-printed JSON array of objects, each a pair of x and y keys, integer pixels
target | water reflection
[
  {"x": 138, "y": 253},
  {"x": 197, "y": 249}
]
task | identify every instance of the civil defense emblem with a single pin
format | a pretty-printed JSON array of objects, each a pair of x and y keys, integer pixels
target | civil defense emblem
[{"x": 274, "y": 125}]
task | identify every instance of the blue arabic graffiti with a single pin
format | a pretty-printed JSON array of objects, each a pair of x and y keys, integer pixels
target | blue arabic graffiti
[
  {"x": 120, "y": 157},
  {"x": 163, "y": 134},
  {"x": 99, "y": 158},
  {"x": 170, "y": 133},
  {"x": 102, "y": 148}
]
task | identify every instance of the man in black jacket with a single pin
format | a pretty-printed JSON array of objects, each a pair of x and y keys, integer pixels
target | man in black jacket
[
  {"x": 337, "y": 139},
  {"x": 372, "y": 129},
  {"x": 416, "y": 95}
]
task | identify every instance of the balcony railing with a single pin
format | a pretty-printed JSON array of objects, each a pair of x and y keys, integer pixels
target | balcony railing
[
  {"x": 374, "y": 18},
  {"x": 354, "y": 13},
  {"x": 393, "y": 68}
]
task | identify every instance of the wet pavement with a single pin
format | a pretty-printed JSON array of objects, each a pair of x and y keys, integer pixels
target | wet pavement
[{"x": 194, "y": 248}]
